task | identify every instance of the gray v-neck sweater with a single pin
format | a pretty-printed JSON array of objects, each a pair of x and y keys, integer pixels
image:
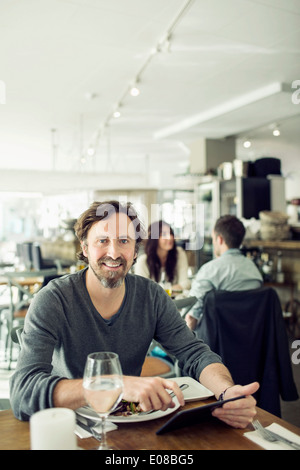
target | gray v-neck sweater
[{"x": 62, "y": 327}]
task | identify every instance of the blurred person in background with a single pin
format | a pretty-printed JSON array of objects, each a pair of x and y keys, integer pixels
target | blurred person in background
[
  {"x": 163, "y": 260},
  {"x": 230, "y": 270}
]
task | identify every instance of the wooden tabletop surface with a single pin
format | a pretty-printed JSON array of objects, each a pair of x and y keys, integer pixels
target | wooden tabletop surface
[{"x": 207, "y": 435}]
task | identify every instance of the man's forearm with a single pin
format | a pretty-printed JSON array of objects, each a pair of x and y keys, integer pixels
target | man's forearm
[
  {"x": 68, "y": 394},
  {"x": 216, "y": 377}
]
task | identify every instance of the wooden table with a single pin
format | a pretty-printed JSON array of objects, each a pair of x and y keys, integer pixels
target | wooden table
[{"x": 207, "y": 435}]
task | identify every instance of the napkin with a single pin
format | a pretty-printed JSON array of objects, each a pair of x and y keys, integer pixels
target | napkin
[
  {"x": 83, "y": 434},
  {"x": 281, "y": 431}
]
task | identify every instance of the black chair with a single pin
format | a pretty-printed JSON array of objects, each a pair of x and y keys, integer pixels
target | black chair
[
  {"x": 26, "y": 254},
  {"x": 247, "y": 330},
  {"x": 39, "y": 262}
]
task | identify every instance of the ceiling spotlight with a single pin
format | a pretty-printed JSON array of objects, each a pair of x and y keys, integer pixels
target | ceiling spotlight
[
  {"x": 134, "y": 91},
  {"x": 90, "y": 151},
  {"x": 247, "y": 144},
  {"x": 276, "y": 132},
  {"x": 116, "y": 114}
]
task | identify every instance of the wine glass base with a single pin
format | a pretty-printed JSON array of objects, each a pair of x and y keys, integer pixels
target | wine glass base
[{"x": 108, "y": 447}]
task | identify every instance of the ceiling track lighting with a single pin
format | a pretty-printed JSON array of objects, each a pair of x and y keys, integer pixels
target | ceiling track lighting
[
  {"x": 116, "y": 114},
  {"x": 90, "y": 151},
  {"x": 163, "y": 46},
  {"x": 274, "y": 127},
  {"x": 134, "y": 91},
  {"x": 276, "y": 131},
  {"x": 247, "y": 144}
]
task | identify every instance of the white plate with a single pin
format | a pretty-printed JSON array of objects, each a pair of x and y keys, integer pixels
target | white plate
[
  {"x": 195, "y": 391},
  {"x": 88, "y": 413}
]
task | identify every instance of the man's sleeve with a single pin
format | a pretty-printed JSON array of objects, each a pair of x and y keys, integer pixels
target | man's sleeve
[{"x": 32, "y": 384}]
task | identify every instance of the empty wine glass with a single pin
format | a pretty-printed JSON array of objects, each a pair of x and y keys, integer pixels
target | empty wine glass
[{"x": 103, "y": 386}]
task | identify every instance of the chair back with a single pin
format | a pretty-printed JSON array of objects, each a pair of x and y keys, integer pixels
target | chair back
[
  {"x": 26, "y": 254},
  {"x": 37, "y": 259},
  {"x": 185, "y": 304},
  {"x": 16, "y": 335},
  {"x": 39, "y": 262},
  {"x": 157, "y": 367},
  {"x": 158, "y": 364},
  {"x": 247, "y": 330}
]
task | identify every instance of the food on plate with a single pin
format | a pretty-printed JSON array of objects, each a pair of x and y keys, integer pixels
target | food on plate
[{"x": 127, "y": 408}]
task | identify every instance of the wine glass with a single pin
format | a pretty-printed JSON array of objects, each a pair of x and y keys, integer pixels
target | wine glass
[{"x": 103, "y": 386}]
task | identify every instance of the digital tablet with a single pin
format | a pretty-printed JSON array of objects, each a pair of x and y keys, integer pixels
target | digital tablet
[{"x": 193, "y": 415}]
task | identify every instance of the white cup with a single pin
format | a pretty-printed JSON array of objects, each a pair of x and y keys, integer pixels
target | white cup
[{"x": 53, "y": 429}]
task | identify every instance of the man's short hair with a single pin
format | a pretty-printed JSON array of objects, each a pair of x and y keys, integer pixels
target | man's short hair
[
  {"x": 102, "y": 211},
  {"x": 231, "y": 229}
]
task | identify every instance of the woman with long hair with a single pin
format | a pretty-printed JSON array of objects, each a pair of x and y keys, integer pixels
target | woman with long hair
[{"x": 162, "y": 258}]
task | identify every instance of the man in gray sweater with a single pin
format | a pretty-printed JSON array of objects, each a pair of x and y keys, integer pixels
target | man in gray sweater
[{"x": 104, "y": 308}]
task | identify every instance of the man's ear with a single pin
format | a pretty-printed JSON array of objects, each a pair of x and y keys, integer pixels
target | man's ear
[
  {"x": 220, "y": 240},
  {"x": 83, "y": 247}
]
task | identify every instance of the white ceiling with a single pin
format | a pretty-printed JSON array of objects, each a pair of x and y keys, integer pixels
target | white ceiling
[{"x": 66, "y": 64}]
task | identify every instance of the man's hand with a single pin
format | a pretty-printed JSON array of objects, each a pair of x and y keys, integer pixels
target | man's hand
[
  {"x": 239, "y": 413},
  {"x": 191, "y": 321},
  {"x": 151, "y": 393}
]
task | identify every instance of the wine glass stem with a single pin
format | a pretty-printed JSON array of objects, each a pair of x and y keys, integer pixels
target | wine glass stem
[{"x": 103, "y": 432}]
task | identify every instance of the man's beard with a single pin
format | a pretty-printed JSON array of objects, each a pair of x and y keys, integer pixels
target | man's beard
[{"x": 110, "y": 279}]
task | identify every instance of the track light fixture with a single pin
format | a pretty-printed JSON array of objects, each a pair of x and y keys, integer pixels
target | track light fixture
[
  {"x": 116, "y": 114},
  {"x": 163, "y": 45},
  {"x": 134, "y": 90},
  {"x": 247, "y": 144}
]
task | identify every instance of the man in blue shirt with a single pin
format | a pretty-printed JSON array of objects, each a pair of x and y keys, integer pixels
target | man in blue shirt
[{"x": 230, "y": 270}]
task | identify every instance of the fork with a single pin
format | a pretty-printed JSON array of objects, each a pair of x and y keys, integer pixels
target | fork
[
  {"x": 90, "y": 426},
  {"x": 91, "y": 429},
  {"x": 272, "y": 436}
]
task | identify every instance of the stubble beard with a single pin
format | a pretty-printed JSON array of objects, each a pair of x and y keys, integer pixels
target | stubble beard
[{"x": 110, "y": 279}]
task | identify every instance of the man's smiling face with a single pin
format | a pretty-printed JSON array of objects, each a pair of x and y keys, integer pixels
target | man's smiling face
[{"x": 111, "y": 249}]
